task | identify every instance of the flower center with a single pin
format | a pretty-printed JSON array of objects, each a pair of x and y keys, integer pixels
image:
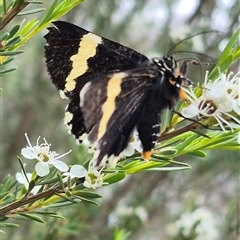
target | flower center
[
  {"x": 45, "y": 158},
  {"x": 208, "y": 106}
]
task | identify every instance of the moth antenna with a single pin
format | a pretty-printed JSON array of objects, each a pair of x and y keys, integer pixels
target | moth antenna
[
  {"x": 200, "y": 54},
  {"x": 192, "y": 36},
  {"x": 194, "y": 61}
]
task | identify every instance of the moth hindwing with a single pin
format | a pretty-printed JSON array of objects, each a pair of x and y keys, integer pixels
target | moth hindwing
[{"x": 112, "y": 89}]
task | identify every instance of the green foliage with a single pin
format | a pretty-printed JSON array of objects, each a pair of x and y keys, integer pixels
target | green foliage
[
  {"x": 230, "y": 54},
  {"x": 121, "y": 234}
]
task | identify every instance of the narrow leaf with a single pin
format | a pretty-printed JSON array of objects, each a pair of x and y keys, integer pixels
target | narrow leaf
[
  {"x": 13, "y": 41},
  {"x": 32, "y": 217},
  {"x": 8, "y": 60},
  {"x": 87, "y": 194},
  {"x": 198, "y": 153},
  {"x": 8, "y": 225},
  {"x": 48, "y": 13},
  {"x": 11, "y": 53},
  {"x": 60, "y": 180},
  {"x": 50, "y": 214},
  {"x": 166, "y": 169},
  {"x": 114, "y": 177},
  {"x": 87, "y": 200},
  {"x": 185, "y": 143},
  {"x": 3, "y": 194},
  {"x": 4, "y": 36},
  {"x": 62, "y": 204},
  {"x": 14, "y": 31},
  {"x": 2, "y": 72},
  {"x": 31, "y": 11}
]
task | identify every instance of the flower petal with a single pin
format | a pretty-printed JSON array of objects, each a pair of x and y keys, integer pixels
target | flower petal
[
  {"x": 61, "y": 166},
  {"x": 78, "y": 171},
  {"x": 28, "y": 153},
  {"x": 129, "y": 151},
  {"x": 35, "y": 190},
  {"x": 87, "y": 184},
  {"x": 190, "y": 111},
  {"x": 42, "y": 169},
  {"x": 20, "y": 178}
]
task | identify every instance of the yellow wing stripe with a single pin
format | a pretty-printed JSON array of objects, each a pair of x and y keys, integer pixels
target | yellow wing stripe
[
  {"x": 109, "y": 106},
  {"x": 87, "y": 48}
]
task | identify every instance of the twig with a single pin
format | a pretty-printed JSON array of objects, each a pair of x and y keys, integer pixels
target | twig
[
  {"x": 11, "y": 14},
  {"x": 190, "y": 127},
  {"x": 10, "y": 209}
]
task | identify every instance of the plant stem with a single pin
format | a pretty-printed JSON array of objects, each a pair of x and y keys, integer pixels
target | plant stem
[
  {"x": 11, "y": 208},
  {"x": 11, "y": 14}
]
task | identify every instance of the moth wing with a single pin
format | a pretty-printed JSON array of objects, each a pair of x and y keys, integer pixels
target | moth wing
[
  {"x": 111, "y": 108},
  {"x": 75, "y": 56}
]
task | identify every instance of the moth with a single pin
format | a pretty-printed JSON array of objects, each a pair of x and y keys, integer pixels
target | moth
[{"x": 112, "y": 89}]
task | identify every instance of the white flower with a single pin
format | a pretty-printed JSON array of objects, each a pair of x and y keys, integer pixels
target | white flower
[
  {"x": 219, "y": 99},
  {"x": 134, "y": 144},
  {"x": 21, "y": 178},
  {"x": 44, "y": 157},
  {"x": 200, "y": 223},
  {"x": 94, "y": 178},
  {"x": 76, "y": 171}
]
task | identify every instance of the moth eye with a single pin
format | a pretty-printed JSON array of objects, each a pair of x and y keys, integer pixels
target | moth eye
[{"x": 169, "y": 62}]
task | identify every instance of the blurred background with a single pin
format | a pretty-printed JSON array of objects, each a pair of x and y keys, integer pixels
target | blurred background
[{"x": 150, "y": 206}]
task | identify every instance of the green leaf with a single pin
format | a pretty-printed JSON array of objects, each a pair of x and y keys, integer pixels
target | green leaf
[
  {"x": 198, "y": 153},
  {"x": 232, "y": 42},
  {"x": 169, "y": 151},
  {"x": 226, "y": 58},
  {"x": 8, "y": 60},
  {"x": 32, "y": 217},
  {"x": 60, "y": 180},
  {"x": 121, "y": 234},
  {"x": 35, "y": 2},
  {"x": 166, "y": 169},
  {"x": 2, "y": 72},
  {"x": 160, "y": 158},
  {"x": 48, "y": 181},
  {"x": 9, "y": 183},
  {"x": 13, "y": 41},
  {"x": 185, "y": 143},
  {"x": 31, "y": 11},
  {"x": 3, "y": 194},
  {"x": 8, "y": 225},
  {"x": 48, "y": 13},
  {"x": 4, "y": 7},
  {"x": 62, "y": 204},
  {"x": 66, "y": 198},
  {"x": 86, "y": 194},
  {"x": 49, "y": 214},
  {"x": 87, "y": 200},
  {"x": 114, "y": 177},
  {"x": 4, "y": 36},
  {"x": 11, "y": 53},
  {"x": 14, "y": 31},
  {"x": 28, "y": 27},
  {"x": 3, "y": 218},
  {"x": 215, "y": 139},
  {"x": 142, "y": 165}
]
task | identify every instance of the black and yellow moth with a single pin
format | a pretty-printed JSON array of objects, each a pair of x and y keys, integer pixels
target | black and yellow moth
[{"x": 112, "y": 89}]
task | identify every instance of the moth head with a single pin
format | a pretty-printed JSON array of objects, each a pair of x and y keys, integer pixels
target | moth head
[{"x": 174, "y": 74}]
